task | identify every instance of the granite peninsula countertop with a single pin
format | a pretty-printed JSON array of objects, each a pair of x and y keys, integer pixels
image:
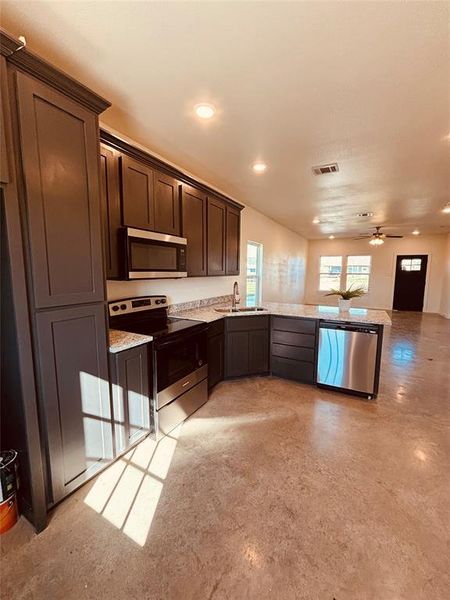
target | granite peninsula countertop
[
  {"x": 307, "y": 311},
  {"x": 123, "y": 340}
]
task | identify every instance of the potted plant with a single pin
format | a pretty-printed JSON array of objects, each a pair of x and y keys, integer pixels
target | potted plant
[{"x": 346, "y": 296}]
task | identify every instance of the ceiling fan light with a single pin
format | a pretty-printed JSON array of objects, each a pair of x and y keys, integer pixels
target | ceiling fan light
[{"x": 377, "y": 241}]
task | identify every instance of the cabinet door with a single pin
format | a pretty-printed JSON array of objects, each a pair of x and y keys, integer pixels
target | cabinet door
[
  {"x": 111, "y": 217},
  {"x": 258, "y": 351},
  {"x": 131, "y": 399},
  {"x": 237, "y": 348},
  {"x": 167, "y": 204},
  {"x": 137, "y": 194},
  {"x": 233, "y": 239},
  {"x": 59, "y": 140},
  {"x": 193, "y": 207},
  {"x": 216, "y": 236},
  {"x": 4, "y": 156},
  {"x": 72, "y": 351},
  {"x": 216, "y": 359}
]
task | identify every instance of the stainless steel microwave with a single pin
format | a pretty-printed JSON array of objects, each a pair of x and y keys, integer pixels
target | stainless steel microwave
[{"x": 151, "y": 255}]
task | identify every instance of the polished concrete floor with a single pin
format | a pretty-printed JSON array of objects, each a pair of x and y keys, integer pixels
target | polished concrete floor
[{"x": 271, "y": 490}]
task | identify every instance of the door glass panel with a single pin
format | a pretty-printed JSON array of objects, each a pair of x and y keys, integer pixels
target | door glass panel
[{"x": 411, "y": 264}]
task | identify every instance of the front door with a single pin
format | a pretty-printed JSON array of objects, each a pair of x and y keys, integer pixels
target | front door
[{"x": 410, "y": 276}]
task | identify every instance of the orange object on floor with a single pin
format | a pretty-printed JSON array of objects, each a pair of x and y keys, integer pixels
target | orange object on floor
[{"x": 8, "y": 513}]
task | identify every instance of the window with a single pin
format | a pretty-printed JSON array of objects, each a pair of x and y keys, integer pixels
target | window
[
  {"x": 358, "y": 272},
  {"x": 254, "y": 273},
  {"x": 411, "y": 264},
  {"x": 330, "y": 272}
]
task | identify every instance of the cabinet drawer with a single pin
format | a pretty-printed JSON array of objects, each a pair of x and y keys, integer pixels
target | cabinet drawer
[
  {"x": 216, "y": 327},
  {"x": 293, "y": 352},
  {"x": 247, "y": 323},
  {"x": 294, "y": 339},
  {"x": 293, "y": 369},
  {"x": 294, "y": 325}
]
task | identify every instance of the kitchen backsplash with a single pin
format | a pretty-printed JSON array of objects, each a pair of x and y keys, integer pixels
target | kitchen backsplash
[{"x": 174, "y": 308}]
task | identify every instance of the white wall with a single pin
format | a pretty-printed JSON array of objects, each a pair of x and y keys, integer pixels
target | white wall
[
  {"x": 284, "y": 257},
  {"x": 284, "y": 268},
  {"x": 445, "y": 299},
  {"x": 381, "y": 287}
]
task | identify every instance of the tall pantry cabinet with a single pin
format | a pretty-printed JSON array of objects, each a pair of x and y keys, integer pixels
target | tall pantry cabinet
[{"x": 51, "y": 208}]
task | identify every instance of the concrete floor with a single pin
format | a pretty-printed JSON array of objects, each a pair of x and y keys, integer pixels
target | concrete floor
[{"x": 272, "y": 490}]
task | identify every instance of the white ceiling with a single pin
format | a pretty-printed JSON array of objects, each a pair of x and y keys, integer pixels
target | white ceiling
[{"x": 296, "y": 84}]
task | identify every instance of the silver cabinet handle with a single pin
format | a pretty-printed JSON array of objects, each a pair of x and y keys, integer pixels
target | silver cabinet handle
[{"x": 186, "y": 383}]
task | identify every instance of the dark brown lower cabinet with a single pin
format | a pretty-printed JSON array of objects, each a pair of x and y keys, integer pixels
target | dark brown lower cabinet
[
  {"x": 73, "y": 373},
  {"x": 216, "y": 353},
  {"x": 131, "y": 396},
  {"x": 294, "y": 348},
  {"x": 247, "y": 346}
]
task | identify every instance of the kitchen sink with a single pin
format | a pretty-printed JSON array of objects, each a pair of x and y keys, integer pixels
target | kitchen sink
[{"x": 240, "y": 309}]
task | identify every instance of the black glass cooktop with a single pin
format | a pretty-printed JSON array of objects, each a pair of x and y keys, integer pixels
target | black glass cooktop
[
  {"x": 163, "y": 327},
  {"x": 158, "y": 326}
]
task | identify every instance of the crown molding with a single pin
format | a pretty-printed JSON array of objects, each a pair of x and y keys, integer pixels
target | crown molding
[
  {"x": 29, "y": 62},
  {"x": 124, "y": 146}
]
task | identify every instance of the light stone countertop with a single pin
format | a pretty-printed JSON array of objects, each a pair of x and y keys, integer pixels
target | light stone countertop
[
  {"x": 307, "y": 311},
  {"x": 123, "y": 340}
]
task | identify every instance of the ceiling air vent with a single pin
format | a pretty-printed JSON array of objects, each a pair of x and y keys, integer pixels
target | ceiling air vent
[{"x": 325, "y": 169}]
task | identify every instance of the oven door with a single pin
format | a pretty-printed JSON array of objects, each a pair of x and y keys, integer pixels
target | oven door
[
  {"x": 181, "y": 363},
  {"x": 152, "y": 255}
]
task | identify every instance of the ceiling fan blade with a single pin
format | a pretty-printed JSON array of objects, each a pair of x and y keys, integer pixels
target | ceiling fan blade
[
  {"x": 362, "y": 237},
  {"x": 393, "y": 236}
]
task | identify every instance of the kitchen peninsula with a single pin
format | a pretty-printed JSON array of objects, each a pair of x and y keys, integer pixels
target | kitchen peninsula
[{"x": 314, "y": 344}]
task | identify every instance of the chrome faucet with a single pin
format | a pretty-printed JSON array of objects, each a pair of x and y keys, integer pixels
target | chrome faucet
[{"x": 236, "y": 299}]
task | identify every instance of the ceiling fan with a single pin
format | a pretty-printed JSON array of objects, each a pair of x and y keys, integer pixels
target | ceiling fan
[{"x": 376, "y": 238}]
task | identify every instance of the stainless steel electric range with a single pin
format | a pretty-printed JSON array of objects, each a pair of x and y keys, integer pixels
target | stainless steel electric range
[{"x": 178, "y": 357}]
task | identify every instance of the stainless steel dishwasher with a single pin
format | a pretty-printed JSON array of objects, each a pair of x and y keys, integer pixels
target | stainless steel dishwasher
[{"x": 348, "y": 357}]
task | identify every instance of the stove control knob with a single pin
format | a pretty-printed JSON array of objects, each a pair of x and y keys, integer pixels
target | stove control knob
[
  {"x": 115, "y": 308},
  {"x": 163, "y": 301},
  {"x": 158, "y": 301},
  {"x": 123, "y": 306}
]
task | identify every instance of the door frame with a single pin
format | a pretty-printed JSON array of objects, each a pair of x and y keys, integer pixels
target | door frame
[{"x": 395, "y": 255}]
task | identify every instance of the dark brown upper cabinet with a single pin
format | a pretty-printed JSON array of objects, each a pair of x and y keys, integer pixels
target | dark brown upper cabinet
[
  {"x": 111, "y": 215},
  {"x": 233, "y": 240},
  {"x": 167, "y": 204},
  {"x": 193, "y": 217},
  {"x": 59, "y": 142},
  {"x": 159, "y": 197},
  {"x": 216, "y": 232},
  {"x": 138, "y": 203}
]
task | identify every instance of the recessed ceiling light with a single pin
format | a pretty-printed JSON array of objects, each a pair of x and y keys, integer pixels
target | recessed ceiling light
[
  {"x": 446, "y": 208},
  {"x": 259, "y": 167},
  {"x": 205, "y": 111},
  {"x": 331, "y": 237},
  {"x": 316, "y": 220},
  {"x": 416, "y": 232}
]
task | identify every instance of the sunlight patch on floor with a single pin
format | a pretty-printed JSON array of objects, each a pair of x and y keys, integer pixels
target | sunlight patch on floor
[{"x": 127, "y": 493}]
